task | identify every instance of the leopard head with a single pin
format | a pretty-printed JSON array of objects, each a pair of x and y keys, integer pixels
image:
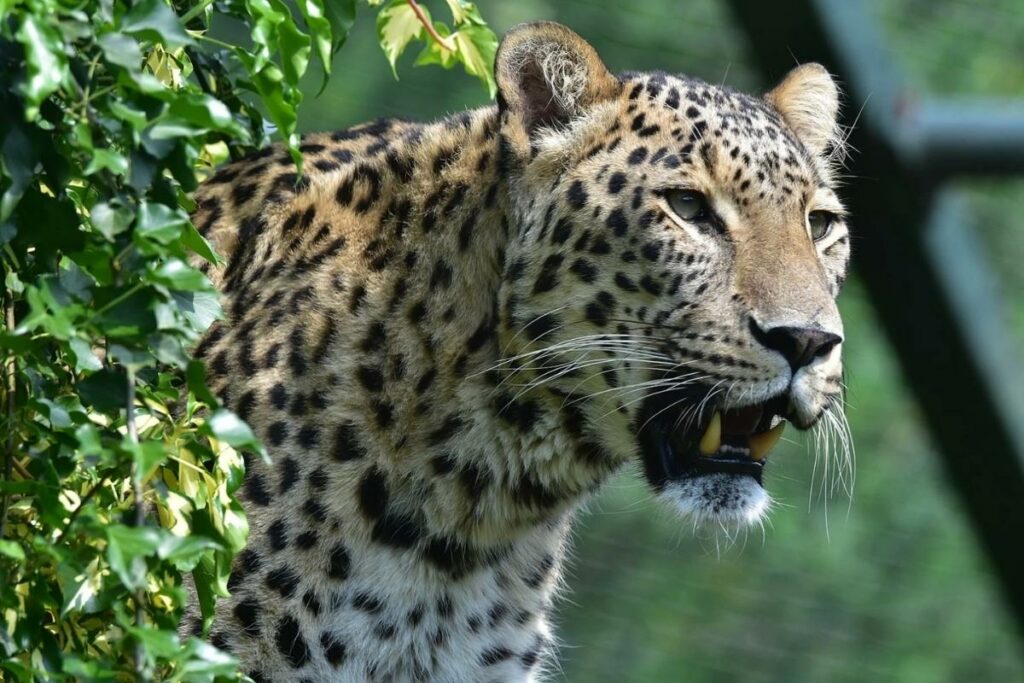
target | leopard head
[{"x": 677, "y": 249}]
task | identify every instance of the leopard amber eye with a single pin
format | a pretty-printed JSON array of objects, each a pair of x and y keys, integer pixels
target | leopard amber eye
[
  {"x": 689, "y": 205},
  {"x": 820, "y": 223}
]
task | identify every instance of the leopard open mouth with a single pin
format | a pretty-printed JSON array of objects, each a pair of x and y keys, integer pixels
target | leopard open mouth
[{"x": 684, "y": 436}]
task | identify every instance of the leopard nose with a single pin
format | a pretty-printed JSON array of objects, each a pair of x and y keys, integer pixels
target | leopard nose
[{"x": 798, "y": 345}]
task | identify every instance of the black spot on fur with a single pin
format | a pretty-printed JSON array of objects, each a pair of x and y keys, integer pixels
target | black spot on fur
[
  {"x": 340, "y": 563},
  {"x": 277, "y": 533},
  {"x": 247, "y": 612},
  {"x": 256, "y": 489},
  {"x": 289, "y": 474},
  {"x": 291, "y": 643},
  {"x": 284, "y": 580},
  {"x": 346, "y": 443},
  {"x": 577, "y": 195},
  {"x": 334, "y": 649},
  {"x": 373, "y": 493}
]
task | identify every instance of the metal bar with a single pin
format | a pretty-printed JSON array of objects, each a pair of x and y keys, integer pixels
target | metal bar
[
  {"x": 947, "y": 138},
  {"x": 925, "y": 280}
]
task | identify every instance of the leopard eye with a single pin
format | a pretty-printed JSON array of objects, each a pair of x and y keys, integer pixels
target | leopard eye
[
  {"x": 820, "y": 223},
  {"x": 689, "y": 205}
]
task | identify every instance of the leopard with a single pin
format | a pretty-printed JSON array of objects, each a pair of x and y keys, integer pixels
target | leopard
[{"x": 449, "y": 335}]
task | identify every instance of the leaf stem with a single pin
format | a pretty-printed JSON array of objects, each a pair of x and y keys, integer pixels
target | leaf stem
[
  {"x": 418, "y": 11},
  {"x": 115, "y": 301},
  {"x": 218, "y": 43},
  {"x": 195, "y": 11},
  {"x": 10, "y": 389},
  {"x": 140, "y": 514}
]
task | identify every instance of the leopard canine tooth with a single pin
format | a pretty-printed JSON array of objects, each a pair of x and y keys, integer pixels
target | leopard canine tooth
[
  {"x": 712, "y": 439},
  {"x": 762, "y": 444}
]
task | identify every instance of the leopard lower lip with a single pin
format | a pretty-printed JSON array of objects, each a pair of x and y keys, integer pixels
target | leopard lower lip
[{"x": 727, "y": 441}]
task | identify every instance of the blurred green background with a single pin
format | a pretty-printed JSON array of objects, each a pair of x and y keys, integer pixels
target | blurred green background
[{"x": 890, "y": 586}]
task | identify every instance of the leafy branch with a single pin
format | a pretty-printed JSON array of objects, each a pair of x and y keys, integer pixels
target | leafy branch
[{"x": 111, "y": 112}]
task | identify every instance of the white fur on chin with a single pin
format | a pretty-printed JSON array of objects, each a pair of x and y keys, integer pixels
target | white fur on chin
[{"x": 730, "y": 499}]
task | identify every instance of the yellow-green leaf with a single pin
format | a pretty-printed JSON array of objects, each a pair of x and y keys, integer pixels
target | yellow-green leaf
[
  {"x": 476, "y": 46},
  {"x": 397, "y": 26}
]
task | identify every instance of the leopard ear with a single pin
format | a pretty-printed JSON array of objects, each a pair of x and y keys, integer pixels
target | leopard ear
[
  {"x": 547, "y": 76},
  {"x": 808, "y": 100}
]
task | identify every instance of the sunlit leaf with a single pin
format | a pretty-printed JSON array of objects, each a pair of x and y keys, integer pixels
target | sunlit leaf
[
  {"x": 45, "y": 60},
  {"x": 476, "y": 46},
  {"x": 397, "y": 26}
]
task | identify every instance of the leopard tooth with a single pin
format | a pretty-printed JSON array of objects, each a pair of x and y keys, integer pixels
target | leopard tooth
[
  {"x": 712, "y": 439},
  {"x": 762, "y": 444}
]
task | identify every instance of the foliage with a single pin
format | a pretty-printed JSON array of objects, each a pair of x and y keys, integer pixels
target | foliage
[{"x": 119, "y": 465}]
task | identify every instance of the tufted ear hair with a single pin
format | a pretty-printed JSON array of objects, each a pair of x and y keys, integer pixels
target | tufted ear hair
[
  {"x": 547, "y": 76},
  {"x": 808, "y": 100}
]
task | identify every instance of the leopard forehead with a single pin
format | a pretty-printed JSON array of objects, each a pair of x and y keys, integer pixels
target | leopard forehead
[{"x": 678, "y": 129}]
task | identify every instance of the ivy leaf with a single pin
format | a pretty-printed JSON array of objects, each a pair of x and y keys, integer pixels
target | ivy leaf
[
  {"x": 476, "y": 47},
  {"x": 397, "y": 26},
  {"x": 45, "y": 61},
  {"x": 458, "y": 9},
  {"x": 127, "y": 550},
  {"x": 106, "y": 159},
  {"x": 155, "y": 21},
  {"x": 104, "y": 390},
  {"x": 229, "y": 428},
  {"x": 19, "y": 161},
  {"x": 341, "y": 14},
  {"x": 185, "y": 552},
  {"x": 199, "y": 309},
  {"x": 85, "y": 359},
  {"x": 121, "y": 50},
  {"x": 176, "y": 274},
  {"x": 12, "y": 550},
  {"x": 435, "y": 53},
  {"x": 314, "y": 13},
  {"x": 110, "y": 219},
  {"x": 159, "y": 222}
]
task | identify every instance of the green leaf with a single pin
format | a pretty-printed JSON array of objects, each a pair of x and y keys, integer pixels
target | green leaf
[
  {"x": 198, "y": 244},
  {"x": 110, "y": 219},
  {"x": 85, "y": 359},
  {"x": 295, "y": 47},
  {"x": 127, "y": 550},
  {"x": 314, "y": 12},
  {"x": 458, "y": 9},
  {"x": 196, "y": 377},
  {"x": 154, "y": 21},
  {"x": 191, "y": 114},
  {"x": 19, "y": 161},
  {"x": 104, "y": 390},
  {"x": 81, "y": 587},
  {"x": 147, "y": 455},
  {"x": 476, "y": 47},
  {"x": 159, "y": 222},
  {"x": 106, "y": 159},
  {"x": 121, "y": 50},
  {"x": 397, "y": 26},
  {"x": 229, "y": 428},
  {"x": 12, "y": 550},
  {"x": 45, "y": 60},
  {"x": 176, "y": 274},
  {"x": 185, "y": 552},
  {"x": 341, "y": 14},
  {"x": 200, "y": 309},
  {"x": 435, "y": 53}
]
